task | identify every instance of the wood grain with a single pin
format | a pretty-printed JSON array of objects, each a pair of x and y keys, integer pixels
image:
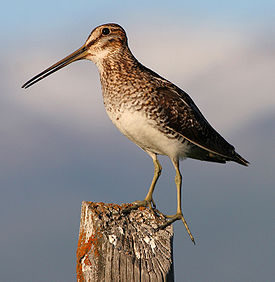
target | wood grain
[{"x": 114, "y": 246}]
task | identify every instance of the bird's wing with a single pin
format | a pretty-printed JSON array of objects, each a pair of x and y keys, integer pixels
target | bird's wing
[{"x": 181, "y": 116}]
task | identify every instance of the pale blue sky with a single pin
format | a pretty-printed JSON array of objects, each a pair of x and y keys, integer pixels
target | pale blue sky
[
  {"x": 32, "y": 16},
  {"x": 58, "y": 147}
]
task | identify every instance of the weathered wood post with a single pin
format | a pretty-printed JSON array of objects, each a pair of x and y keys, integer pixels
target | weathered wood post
[{"x": 114, "y": 246}]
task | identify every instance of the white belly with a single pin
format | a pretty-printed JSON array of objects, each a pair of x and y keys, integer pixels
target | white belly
[{"x": 144, "y": 133}]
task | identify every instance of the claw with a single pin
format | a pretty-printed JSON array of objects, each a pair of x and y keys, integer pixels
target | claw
[
  {"x": 154, "y": 204},
  {"x": 145, "y": 203},
  {"x": 175, "y": 217}
]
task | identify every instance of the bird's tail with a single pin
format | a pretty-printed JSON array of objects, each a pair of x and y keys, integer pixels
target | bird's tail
[{"x": 240, "y": 160}]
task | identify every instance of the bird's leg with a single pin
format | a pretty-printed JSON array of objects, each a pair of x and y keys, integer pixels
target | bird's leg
[
  {"x": 179, "y": 214},
  {"x": 148, "y": 201},
  {"x": 149, "y": 197}
]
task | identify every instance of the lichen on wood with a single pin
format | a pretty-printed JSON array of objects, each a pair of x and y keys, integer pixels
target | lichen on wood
[{"x": 114, "y": 246}]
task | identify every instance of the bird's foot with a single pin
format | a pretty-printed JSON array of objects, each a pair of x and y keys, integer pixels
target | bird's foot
[
  {"x": 150, "y": 203},
  {"x": 172, "y": 219}
]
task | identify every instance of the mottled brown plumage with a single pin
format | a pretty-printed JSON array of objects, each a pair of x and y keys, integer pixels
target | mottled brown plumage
[{"x": 148, "y": 109}]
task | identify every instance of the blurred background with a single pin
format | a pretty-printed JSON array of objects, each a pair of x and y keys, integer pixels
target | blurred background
[{"x": 59, "y": 148}]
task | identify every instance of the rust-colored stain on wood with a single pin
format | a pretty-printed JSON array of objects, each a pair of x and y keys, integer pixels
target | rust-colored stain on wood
[
  {"x": 83, "y": 248},
  {"x": 118, "y": 246},
  {"x": 94, "y": 242}
]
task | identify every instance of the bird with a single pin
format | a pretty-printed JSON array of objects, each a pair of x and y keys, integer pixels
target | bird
[{"x": 148, "y": 109}]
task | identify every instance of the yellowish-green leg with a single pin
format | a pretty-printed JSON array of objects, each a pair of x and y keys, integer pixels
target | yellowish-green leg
[
  {"x": 179, "y": 214},
  {"x": 148, "y": 201},
  {"x": 157, "y": 172}
]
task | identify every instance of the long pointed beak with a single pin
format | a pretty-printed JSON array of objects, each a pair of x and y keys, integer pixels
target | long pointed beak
[{"x": 77, "y": 55}]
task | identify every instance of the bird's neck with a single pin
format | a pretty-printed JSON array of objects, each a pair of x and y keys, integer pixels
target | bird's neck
[
  {"x": 118, "y": 63},
  {"x": 122, "y": 73}
]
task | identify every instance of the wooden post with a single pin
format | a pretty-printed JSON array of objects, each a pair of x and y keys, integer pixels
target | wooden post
[{"x": 114, "y": 246}]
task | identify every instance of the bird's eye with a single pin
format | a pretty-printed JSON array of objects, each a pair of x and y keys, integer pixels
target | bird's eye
[{"x": 105, "y": 31}]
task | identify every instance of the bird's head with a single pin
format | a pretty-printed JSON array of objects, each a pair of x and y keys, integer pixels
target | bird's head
[{"x": 104, "y": 41}]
